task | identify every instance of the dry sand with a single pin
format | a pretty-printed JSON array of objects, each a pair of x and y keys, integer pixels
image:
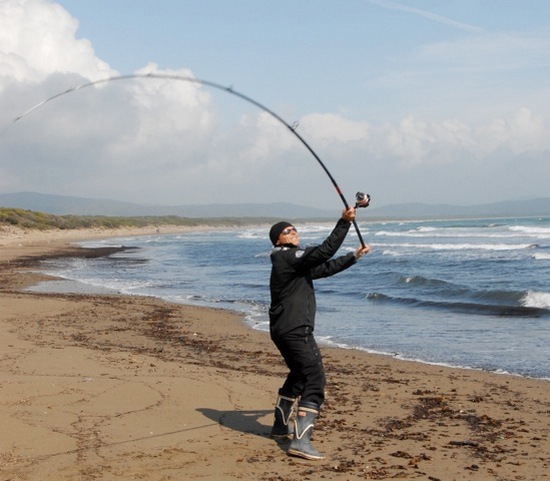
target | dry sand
[{"x": 109, "y": 387}]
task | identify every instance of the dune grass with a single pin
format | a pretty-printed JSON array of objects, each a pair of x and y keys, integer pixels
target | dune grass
[{"x": 28, "y": 219}]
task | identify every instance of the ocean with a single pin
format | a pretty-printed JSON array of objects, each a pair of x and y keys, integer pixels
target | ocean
[{"x": 471, "y": 293}]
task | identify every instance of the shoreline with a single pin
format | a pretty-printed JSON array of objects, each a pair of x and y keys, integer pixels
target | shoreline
[
  {"x": 106, "y": 386},
  {"x": 66, "y": 286}
]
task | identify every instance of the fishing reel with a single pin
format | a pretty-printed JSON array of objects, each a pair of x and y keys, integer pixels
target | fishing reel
[{"x": 362, "y": 200}]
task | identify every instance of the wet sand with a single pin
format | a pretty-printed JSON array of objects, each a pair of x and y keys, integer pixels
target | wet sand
[{"x": 113, "y": 387}]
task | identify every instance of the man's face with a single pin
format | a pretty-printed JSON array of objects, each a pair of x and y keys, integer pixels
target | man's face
[{"x": 289, "y": 236}]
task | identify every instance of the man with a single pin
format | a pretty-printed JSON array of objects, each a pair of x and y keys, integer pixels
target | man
[{"x": 292, "y": 321}]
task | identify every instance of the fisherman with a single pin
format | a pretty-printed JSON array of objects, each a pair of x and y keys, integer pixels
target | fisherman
[{"x": 292, "y": 322}]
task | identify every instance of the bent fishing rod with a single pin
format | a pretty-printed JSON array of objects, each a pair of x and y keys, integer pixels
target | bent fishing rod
[{"x": 362, "y": 199}]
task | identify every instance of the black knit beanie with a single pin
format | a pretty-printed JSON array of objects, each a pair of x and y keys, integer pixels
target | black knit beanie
[{"x": 276, "y": 230}]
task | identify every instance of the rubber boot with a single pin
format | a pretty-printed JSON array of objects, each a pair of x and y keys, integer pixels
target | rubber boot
[
  {"x": 303, "y": 428},
  {"x": 282, "y": 427}
]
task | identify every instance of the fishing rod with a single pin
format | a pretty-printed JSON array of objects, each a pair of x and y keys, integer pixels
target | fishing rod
[{"x": 362, "y": 199}]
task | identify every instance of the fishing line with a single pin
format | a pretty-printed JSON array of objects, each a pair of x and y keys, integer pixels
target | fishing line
[{"x": 362, "y": 199}]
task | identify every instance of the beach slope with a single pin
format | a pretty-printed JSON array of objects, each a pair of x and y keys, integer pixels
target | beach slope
[{"x": 113, "y": 387}]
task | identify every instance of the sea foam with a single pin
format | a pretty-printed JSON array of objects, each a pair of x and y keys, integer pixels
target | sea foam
[{"x": 539, "y": 300}]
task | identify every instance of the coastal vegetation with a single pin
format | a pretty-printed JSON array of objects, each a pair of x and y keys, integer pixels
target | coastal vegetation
[{"x": 28, "y": 219}]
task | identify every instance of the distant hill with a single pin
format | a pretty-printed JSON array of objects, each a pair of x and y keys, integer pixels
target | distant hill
[
  {"x": 63, "y": 205},
  {"x": 516, "y": 208}
]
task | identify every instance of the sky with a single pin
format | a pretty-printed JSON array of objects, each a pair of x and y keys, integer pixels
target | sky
[{"x": 410, "y": 101}]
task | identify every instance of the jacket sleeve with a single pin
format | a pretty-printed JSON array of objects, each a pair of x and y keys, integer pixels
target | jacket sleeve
[
  {"x": 315, "y": 256},
  {"x": 333, "y": 266}
]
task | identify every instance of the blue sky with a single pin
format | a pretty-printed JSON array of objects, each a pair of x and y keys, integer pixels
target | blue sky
[{"x": 423, "y": 101}]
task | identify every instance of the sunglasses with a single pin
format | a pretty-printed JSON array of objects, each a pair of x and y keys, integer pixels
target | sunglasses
[{"x": 288, "y": 230}]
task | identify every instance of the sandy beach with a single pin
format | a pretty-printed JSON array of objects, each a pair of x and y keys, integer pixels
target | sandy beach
[{"x": 112, "y": 387}]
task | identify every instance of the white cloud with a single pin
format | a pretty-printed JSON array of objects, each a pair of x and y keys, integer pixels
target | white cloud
[
  {"x": 417, "y": 141},
  {"x": 426, "y": 14},
  {"x": 488, "y": 52},
  {"x": 168, "y": 114},
  {"x": 37, "y": 39},
  {"x": 169, "y": 141},
  {"x": 521, "y": 133},
  {"x": 473, "y": 77},
  {"x": 327, "y": 128},
  {"x": 409, "y": 141},
  {"x": 261, "y": 135}
]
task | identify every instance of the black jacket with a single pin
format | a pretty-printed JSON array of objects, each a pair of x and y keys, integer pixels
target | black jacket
[{"x": 293, "y": 270}]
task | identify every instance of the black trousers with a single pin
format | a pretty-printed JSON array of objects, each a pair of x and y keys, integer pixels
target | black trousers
[{"x": 306, "y": 378}]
